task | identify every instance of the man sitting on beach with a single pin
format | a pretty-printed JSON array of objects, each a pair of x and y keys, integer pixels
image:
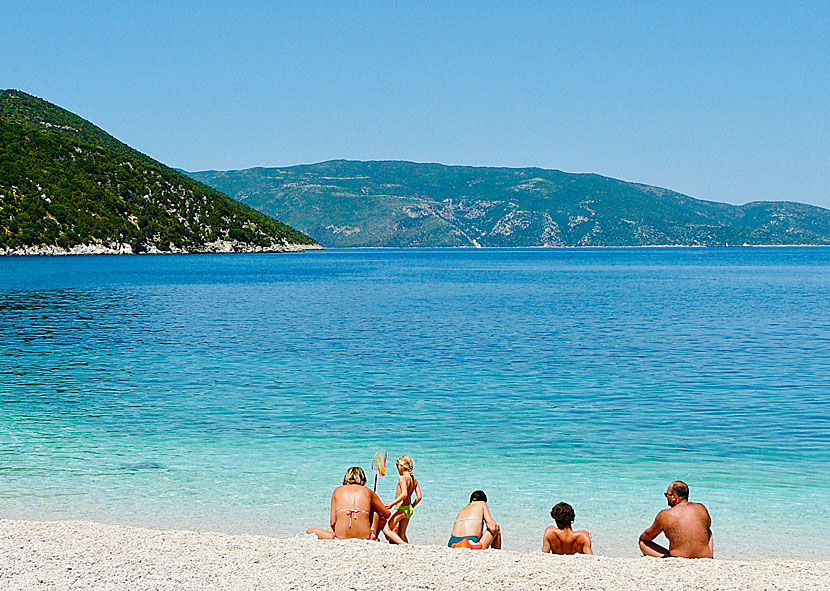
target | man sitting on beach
[
  {"x": 474, "y": 526},
  {"x": 686, "y": 525},
  {"x": 562, "y": 539}
]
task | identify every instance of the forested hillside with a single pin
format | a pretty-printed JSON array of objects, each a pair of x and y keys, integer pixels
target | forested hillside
[
  {"x": 65, "y": 184},
  {"x": 394, "y": 203}
]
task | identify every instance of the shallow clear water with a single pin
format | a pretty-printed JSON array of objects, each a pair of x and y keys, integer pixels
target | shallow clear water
[{"x": 231, "y": 392}]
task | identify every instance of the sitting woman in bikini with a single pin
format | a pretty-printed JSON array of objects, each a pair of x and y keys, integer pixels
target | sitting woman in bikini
[
  {"x": 395, "y": 530},
  {"x": 474, "y": 526},
  {"x": 352, "y": 508}
]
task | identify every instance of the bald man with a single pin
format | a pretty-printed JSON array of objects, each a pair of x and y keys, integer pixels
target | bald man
[{"x": 685, "y": 524}]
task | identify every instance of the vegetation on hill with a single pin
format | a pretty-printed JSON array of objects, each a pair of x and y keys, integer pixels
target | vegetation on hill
[
  {"x": 393, "y": 203},
  {"x": 64, "y": 182}
]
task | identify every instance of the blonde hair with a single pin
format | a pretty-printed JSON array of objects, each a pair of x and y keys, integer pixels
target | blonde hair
[
  {"x": 406, "y": 463},
  {"x": 355, "y": 475}
]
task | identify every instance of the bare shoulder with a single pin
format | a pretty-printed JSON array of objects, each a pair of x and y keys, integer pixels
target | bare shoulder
[
  {"x": 583, "y": 533},
  {"x": 664, "y": 516},
  {"x": 550, "y": 531},
  {"x": 701, "y": 509}
]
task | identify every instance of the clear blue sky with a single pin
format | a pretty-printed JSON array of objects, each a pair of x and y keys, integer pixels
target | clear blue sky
[{"x": 722, "y": 101}]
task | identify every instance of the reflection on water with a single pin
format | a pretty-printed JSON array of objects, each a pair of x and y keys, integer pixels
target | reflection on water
[{"x": 230, "y": 392}]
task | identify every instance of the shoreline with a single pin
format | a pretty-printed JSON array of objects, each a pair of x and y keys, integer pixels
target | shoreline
[
  {"x": 85, "y": 555},
  {"x": 575, "y": 247},
  {"x": 218, "y": 247},
  {"x": 235, "y": 248}
]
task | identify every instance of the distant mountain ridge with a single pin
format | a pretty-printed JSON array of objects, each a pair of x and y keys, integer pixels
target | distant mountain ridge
[
  {"x": 345, "y": 203},
  {"x": 66, "y": 186}
]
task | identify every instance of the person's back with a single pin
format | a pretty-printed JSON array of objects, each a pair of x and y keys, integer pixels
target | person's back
[
  {"x": 561, "y": 539},
  {"x": 352, "y": 505},
  {"x": 470, "y": 520},
  {"x": 686, "y": 525},
  {"x": 476, "y": 525},
  {"x": 566, "y": 541},
  {"x": 406, "y": 487},
  {"x": 352, "y": 508}
]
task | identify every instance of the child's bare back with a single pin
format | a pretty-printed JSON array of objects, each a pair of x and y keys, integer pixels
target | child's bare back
[{"x": 567, "y": 541}]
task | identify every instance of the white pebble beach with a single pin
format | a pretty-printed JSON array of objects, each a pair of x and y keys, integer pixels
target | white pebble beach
[{"x": 85, "y": 556}]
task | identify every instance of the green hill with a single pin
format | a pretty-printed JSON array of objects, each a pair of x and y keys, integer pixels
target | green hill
[
  {"x": 346, "y": 203},
  {"x": 68, "y": 186}
]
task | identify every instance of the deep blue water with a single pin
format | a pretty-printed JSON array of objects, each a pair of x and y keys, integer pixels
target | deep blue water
[{"x": 231, "y": 392}]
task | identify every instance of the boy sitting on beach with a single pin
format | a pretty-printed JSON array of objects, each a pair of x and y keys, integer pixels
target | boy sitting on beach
[{"x": 562, "y": 539}]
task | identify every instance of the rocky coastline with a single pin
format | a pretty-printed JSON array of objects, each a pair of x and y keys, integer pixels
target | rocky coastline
[{"x": 220, "y": 246}]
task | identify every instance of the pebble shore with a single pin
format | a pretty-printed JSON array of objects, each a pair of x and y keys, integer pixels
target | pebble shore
[{"x": 89, "y": 556}]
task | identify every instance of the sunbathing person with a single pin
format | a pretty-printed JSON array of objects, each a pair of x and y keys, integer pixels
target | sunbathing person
[
  {"x": 686, "y": 525},
  {"x": 562, "y": 539},
  {"x": 352, "y": 508},
  {"x": 395, "y": 530},
  {"x": 474, "y": 526}
]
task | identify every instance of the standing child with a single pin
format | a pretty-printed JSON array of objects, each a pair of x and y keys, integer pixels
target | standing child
[{"x": 395, "y": 529}]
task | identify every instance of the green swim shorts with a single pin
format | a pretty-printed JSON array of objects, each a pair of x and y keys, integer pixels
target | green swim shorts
[{"x": 407, "y": 510}]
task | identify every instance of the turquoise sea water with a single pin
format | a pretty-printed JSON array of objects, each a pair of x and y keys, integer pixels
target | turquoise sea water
[{"x": 231, "y": 392}]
